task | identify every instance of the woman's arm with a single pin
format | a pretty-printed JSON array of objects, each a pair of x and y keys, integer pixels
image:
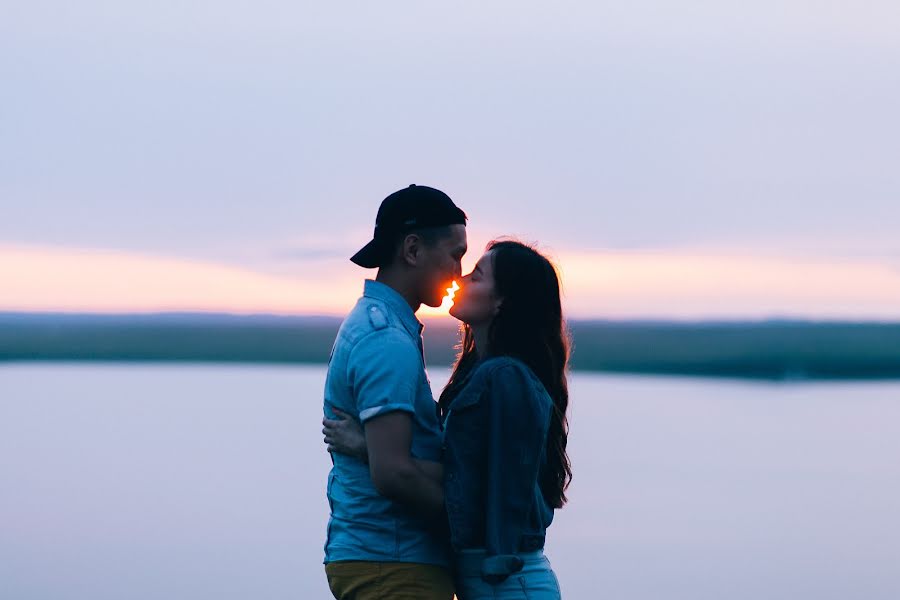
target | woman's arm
[{"x": 345, "y": 435}]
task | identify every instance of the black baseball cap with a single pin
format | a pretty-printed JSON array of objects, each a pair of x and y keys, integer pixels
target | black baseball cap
[{"x": 407, "y": 209}]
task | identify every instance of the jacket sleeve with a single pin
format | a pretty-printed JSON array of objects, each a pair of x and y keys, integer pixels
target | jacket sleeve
[{"x": 516, "y": 439}]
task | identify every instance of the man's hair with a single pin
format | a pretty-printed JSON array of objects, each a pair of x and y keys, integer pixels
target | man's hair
[{"x": 430, "y": 236}]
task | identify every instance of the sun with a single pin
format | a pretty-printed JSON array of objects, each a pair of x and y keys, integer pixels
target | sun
[
  {"x": 446, "y": 303},
  {"x": 451, "y": 293}
]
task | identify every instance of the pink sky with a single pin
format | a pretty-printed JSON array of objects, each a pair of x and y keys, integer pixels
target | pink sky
[
  {"x": 684, "y": 160},
  {"x": 672, "y": 284}
]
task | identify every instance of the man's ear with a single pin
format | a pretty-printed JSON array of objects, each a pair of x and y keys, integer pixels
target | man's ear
[
  {"x": 498, "y": 302},
  {"x": 411, "y": 249}
]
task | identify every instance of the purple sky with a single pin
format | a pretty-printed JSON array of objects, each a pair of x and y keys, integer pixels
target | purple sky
[{"x": 263, "y": 135}]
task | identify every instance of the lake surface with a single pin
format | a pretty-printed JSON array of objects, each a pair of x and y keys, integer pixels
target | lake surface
[{"x": 195, "y": 481}]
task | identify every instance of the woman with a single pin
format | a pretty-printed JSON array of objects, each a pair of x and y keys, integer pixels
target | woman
[{"x": 505, "y": 429}]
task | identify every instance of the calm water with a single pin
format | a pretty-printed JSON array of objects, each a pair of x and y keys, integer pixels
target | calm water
[{"x": 162, "y": 482}]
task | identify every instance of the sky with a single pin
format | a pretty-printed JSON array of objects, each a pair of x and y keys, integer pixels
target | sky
[{"x": 700, "y": 159}]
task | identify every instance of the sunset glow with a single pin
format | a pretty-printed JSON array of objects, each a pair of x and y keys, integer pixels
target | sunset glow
[
  {"x": 77, "y": 280},
  {"x": 595, "y": 285},
  {"x": 444, "y": 308}
]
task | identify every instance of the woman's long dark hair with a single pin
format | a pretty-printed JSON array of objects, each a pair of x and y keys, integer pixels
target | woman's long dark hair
[{"x": 528, "y": 326}]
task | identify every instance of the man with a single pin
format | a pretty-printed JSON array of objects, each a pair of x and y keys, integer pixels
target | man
[{"x": 384, "y": 537}]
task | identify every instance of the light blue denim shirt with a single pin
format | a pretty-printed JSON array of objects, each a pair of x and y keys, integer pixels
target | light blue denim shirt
[{"x": 377, "y": 366}]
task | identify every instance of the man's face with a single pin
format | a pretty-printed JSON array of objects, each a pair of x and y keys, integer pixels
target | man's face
[{"x": 443, "y": 264}]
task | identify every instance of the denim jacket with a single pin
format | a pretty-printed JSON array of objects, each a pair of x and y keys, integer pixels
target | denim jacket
[{"x": 495, "y": 436}]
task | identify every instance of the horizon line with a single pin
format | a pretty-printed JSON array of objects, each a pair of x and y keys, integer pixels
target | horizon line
[{"x": 443, "y": 317}]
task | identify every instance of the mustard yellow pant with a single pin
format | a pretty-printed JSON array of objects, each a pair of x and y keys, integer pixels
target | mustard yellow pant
[{"x": 365, "y": 580}]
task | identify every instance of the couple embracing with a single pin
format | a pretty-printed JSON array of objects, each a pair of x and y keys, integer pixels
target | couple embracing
[{"x": 428, "y": 498}]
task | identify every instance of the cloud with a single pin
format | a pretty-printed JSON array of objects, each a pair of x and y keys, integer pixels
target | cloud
[{"x": 312, "y": 254}]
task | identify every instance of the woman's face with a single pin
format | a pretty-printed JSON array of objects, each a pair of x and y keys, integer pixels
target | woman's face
[{"x": 476, "y": 302}]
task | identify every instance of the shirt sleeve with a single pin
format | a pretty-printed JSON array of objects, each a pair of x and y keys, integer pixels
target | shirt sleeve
[
  {"x": 383, "y": 369},
  {"x": 518, "y": 433}
]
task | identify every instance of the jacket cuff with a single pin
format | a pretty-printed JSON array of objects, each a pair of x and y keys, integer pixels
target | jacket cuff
[{"x": 495, "y": 569}]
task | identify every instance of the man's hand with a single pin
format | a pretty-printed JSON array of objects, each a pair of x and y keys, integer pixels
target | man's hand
[{"x": 345, "y": 436}]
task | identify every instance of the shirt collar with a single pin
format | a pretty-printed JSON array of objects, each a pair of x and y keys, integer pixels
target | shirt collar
[{"x": 396, "y": 302}]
